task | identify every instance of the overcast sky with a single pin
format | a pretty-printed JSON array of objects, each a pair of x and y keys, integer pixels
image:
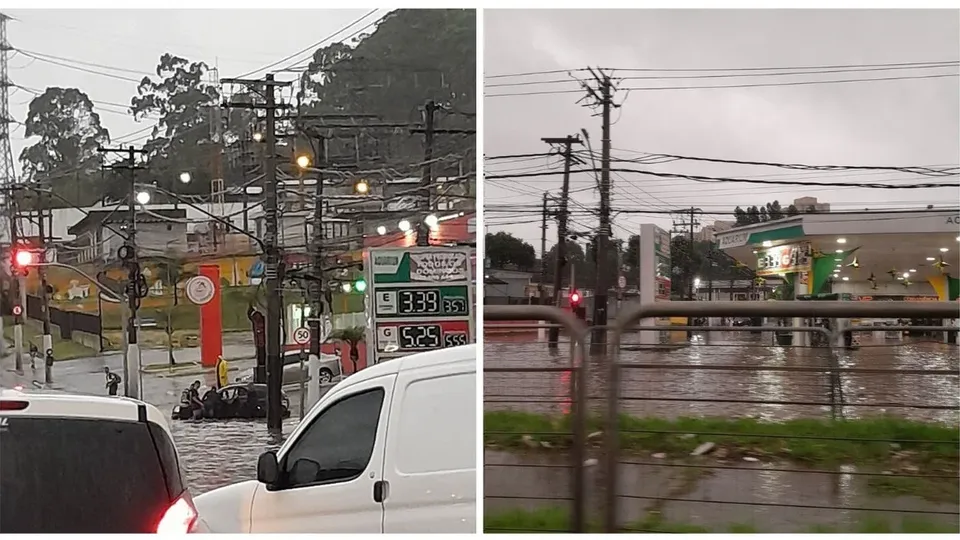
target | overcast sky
[
  {"x": 236, "y": 41},
  {"x": 897, "y": 123}
]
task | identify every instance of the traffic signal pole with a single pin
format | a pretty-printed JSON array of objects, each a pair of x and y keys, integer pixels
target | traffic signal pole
[
  {"x": 17, "y": 319},
  {"x": 44, "y": 298}
]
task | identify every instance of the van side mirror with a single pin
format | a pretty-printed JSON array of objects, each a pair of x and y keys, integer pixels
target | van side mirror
[{"x": 268, "y": 470}]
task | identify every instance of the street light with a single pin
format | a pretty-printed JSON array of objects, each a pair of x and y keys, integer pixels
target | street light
[
  {"x": 432, "y": 221},
  {"x": 185, "y": 177},
  {"x": 257, "y": 137},
  {"x": 143, "y": 198},
  {"x": 362, "y": 187},
  {"x": 303, "y": 161},
  {"x": 404, "y": 225},
  {"x": 381, "y": 230}
]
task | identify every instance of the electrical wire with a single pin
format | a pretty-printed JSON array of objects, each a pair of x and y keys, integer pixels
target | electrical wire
[
  {"x": 312, "y": 47},
  {"x": 708, "y": 87},
  {"x": 698, "y": 178}
]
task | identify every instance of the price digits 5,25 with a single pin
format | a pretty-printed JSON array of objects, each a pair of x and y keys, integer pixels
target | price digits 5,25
[{"x": 420, "y": 337}]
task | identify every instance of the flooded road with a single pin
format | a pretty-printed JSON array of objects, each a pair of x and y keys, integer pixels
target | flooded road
[
  {"x": 728, "y": 374},
  {"x": 213, "y": 453},
  {"x": 766, "y": 497},
  {"x": 686, "y": 381}
]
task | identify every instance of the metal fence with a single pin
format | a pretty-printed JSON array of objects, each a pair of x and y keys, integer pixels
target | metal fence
[{"x": 721, "y": 431}]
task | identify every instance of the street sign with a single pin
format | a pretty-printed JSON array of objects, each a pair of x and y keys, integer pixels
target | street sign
[
  {"x": 200, "y": 290},
  {"x": 622, "y": 282},
  {"x": 301, "y": 335},
  {"x": 421, "y": 299}
]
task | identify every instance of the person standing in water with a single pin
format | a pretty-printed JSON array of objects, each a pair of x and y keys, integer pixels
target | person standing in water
[{"x": 113, "y": 381}]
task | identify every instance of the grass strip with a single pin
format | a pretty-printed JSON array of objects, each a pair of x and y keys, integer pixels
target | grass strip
[
  {"x": 557, "y": 520},
  {"x": 876, "y": 441}
]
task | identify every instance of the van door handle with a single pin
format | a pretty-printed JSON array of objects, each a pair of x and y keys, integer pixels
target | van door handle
[{"x": 380, "y": 490}]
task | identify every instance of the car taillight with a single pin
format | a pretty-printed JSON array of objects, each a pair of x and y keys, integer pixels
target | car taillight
[
  {"x": 13, "y": 405},
  {"x": 180, "y": 518}
]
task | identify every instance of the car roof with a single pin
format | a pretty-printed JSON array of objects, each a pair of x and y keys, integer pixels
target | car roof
[
  {"x": 414, "y": 361},
  {"x": 65, "y": 405}
]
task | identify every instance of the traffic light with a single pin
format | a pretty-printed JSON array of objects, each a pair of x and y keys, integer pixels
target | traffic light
[
  {"x": 360, "y": 285},
  {"x": 22, "y": 261},
  {"x": 575, "y": 298}
]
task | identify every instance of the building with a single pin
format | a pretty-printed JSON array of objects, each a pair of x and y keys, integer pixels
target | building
[
  {"x": 99, "y": 235},
  {"x": 708, "y": 233},
  {"x": 504, "y": 287},
  {"x": 810, "y": 205}
]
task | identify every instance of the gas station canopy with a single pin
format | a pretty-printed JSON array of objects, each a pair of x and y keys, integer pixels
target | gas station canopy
[{"x": 914, "y": 245}]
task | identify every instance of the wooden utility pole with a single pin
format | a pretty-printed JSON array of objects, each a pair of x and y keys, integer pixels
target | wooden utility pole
[
  {"x": 561, "y": 252},
  {"x": 44, "y": 296},
  {"x": 598, "y": 341},
  {"x": 541, "y": 297}
]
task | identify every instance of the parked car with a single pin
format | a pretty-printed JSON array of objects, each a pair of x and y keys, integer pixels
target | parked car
[
  {"x": 330, "y": 369},
  {"x": 233, "y": 403},
  {"x": 343, "y": 471},
  {"x": 75, "y": 464}
]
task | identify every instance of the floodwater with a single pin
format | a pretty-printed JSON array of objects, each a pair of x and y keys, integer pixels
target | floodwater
[
  {"x": 744, "y": 494},
  {"x": 686, "y": 381},
  {"x": 727, "y": 374}
]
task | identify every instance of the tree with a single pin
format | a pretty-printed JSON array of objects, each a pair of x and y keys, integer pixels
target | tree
[
  {"x": 170, "y": 270},
  {"x": 184, "y": 101},
  {"x": 413, "y": 55},
  {"x": 507, "y": 251},
  {"x": 631, "y": 260},
  {"x": 772, "y": 211},
  {"x": 66, "y": 154},
  {"x": 584, "y": 270},
  {"x": 352, "y": 337}
]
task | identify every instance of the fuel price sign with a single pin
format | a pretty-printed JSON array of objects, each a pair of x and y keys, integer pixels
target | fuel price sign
[{"x": 422, "y": 300}]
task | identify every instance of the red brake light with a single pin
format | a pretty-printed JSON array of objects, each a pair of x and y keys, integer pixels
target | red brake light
[
  {"x": 180, "y": 518},
  {"x": 10, "y": 405}
]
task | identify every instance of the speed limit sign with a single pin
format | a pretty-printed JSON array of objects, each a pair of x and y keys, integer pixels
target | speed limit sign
[{"x": 301, "y": 335}]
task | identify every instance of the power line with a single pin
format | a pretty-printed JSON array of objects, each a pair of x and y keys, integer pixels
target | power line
[
  {"x": 34, "y": 54},
  {"x": 757, "y": 85},
  {"x": 702, "y": 70},
  {"x": 78, "y": 68},
  {"x": 698, "y": 178},
  {"x": 724, "y": 75},
  {"x": 309, "y": 48}
]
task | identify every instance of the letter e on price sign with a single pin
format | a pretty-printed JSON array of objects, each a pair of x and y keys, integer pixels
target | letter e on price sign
[{"x": 301, "y": 335}]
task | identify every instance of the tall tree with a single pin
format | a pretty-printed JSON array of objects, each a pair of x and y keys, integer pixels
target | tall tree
[
  {"x": 506, "y": 251},
  {"x": 771, "y": 211},
  {"x": 584, "y": 270},
  {"x": 66, "y": 155},
  {"x": 184, "y": 100}
]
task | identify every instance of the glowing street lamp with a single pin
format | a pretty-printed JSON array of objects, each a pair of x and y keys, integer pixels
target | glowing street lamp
[
  {"x": 185, "y": 178},
  {"x": 303, "y": 161},
  {"x": 143, "y": 198}
]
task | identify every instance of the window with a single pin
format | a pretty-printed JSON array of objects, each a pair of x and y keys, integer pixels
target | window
[
  {"x": 338, "y": 444},
  {"x": 67, "y": 475}
]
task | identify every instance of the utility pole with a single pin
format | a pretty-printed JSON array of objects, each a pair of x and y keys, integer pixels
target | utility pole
[
  {"x": 541, "y": 297},
  {"x": 44, "y": 296},
  {"x": 136, "y": 283},
  {"x": 598, "y": 341},
  {"x": 17, "y": 288},
  {"x": 561, "y": 254},
  {"x": 316, "y": 287},
  {"x": 426, "y": 181},
  {"x": 272, "y": 257},
  {"x": 684, "y": 223}
]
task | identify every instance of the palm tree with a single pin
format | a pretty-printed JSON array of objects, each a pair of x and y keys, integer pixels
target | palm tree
[{"x": 353, "y": 337}]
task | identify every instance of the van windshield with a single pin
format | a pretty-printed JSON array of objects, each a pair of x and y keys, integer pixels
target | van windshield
[{"x": 69, "y": 475}]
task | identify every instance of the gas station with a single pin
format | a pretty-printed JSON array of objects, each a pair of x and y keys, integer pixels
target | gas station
[{"x": 861, "y": 256}]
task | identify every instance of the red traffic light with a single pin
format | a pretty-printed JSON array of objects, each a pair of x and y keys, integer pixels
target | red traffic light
[
  {"x": 574, "y": 298},
  {"x": 24, "y": 258},
  {"x": 17, "y": 310}
]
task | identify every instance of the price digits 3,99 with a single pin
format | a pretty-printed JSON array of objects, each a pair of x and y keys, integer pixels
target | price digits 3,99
[
  {"x": 420, "y": 337},
  {"x": 422, "y": 301}
]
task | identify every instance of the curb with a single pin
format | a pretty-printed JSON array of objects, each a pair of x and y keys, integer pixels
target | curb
[{"x": 196, "y": 370}]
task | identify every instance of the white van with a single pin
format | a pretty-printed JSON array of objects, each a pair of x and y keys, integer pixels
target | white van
[{"x": 391, "y": 449}]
